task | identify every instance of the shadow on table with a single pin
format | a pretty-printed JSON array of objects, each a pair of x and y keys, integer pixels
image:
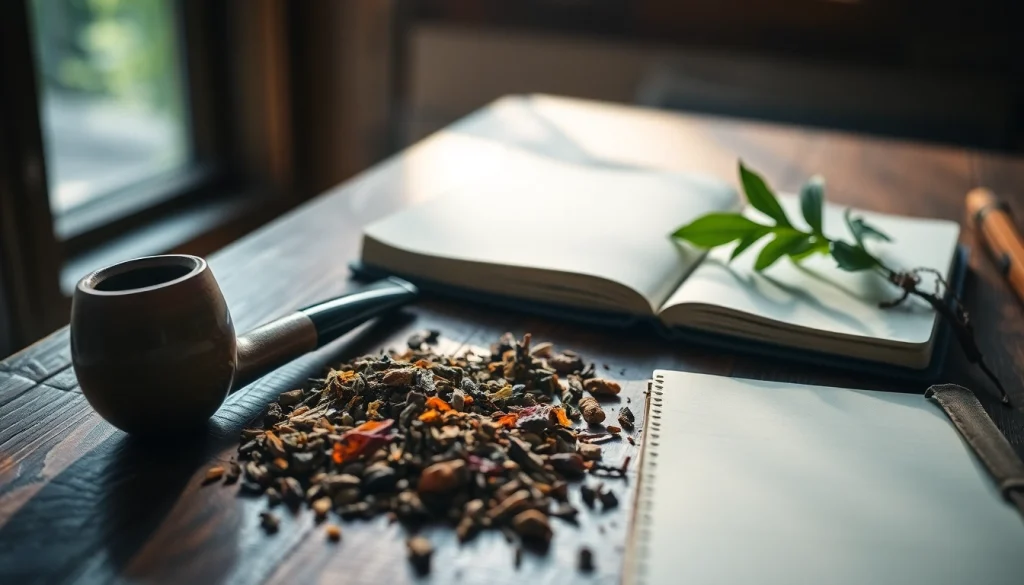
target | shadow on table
[{"x": 88, "y": 522}]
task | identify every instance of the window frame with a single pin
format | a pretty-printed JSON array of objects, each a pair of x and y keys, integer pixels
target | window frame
[
  {"x": 125, "y": 208},
  {"x": 230, "y": 50}
]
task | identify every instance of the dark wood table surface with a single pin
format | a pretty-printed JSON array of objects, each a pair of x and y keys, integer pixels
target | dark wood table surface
[{"x": 81, "y": 502}]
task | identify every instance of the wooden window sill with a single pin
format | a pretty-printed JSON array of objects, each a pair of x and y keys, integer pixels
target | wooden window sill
[{"x": 199, "y": 228}]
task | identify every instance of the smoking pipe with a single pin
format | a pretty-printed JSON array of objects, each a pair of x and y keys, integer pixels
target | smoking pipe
[{"x": 154, "y": 348}]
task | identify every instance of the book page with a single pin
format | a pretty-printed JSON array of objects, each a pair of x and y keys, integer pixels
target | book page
[
  {"x": 535, "y": 222},
  {"x": 746, "y": 481},
  {"x": 817, "y": 295}
]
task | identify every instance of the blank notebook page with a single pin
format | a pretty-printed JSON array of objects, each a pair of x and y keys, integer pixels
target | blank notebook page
[{"x": 746, "y": 481}]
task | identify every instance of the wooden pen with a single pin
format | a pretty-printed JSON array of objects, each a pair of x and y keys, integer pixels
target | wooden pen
[{"x": 994, "y": 224}]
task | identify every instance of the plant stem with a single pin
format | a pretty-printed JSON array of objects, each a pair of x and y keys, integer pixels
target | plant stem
[{"x": 953, "y": 313}]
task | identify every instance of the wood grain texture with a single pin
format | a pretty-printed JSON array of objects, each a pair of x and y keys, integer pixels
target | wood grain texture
[
  {"x": 81, "y": 502},
  {"x": 43, "y": 359}
]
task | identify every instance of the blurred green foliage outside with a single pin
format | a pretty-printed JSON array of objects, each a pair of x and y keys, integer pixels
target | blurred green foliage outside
[{"x": 127, "y": 50}]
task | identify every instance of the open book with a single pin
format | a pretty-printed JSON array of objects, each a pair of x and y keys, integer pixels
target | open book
[{"x": 597, "y": 238}]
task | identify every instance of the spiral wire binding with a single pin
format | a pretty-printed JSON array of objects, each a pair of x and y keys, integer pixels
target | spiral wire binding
[{"x": 645, "y": 498}]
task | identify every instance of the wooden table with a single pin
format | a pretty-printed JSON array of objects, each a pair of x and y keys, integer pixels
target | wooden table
[{"x": 81, "y": 502}]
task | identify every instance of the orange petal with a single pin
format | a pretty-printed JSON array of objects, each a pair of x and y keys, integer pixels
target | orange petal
[
  {"x": 438, "y": 404},
  {"x": 562, "y": 418},
  {"x": 508, "y": 421},
  {"x": 367, "y": 426},
  {"x": 430, "y": 416}
]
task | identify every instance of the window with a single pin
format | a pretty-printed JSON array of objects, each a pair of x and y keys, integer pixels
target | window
[
  {"x": 130, "y": 128},
  {"x": 112, "y": 97}
]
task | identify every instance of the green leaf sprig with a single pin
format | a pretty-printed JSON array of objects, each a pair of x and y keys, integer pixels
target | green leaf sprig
[
  {"x": 718, "y": 229},
  {"x": 787, "y": 240}
]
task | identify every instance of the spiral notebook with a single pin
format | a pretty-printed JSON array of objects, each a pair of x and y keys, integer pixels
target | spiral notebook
[{"x": 745, "y": 481}]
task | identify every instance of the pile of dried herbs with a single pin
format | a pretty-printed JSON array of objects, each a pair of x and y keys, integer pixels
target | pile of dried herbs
[{"x": 476, "y": 441}]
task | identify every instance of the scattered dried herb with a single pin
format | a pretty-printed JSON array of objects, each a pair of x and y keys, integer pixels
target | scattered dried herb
[
  {"x": 608, "y": 499},
  {"x": 269, "y": 522},
  {"x": 602, "y": 387},
  {"x": 586, "y": 560},
  {"x": 626, "y": 418},
  {"x": 591, "y": 410},
  {"x": 483, "y": 442},
  {"x": 213, "y": 474},
  {"x": 589, "y": 495},
  {"x": 424, "y": 337},
  {"x": 321, "y": 506},
  {"x": 234, "y": 471},
  {"x": 589, "y": 451},
  {"x": 532, "y": 525},
  {"x": 420, "y": 551}
]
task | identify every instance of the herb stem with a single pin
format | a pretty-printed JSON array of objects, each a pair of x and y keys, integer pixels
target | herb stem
[{"x": 954, "y": 313}]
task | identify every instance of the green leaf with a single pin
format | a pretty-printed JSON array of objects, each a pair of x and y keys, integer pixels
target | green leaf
[
  {"x": 861, "y": 230},
  {"x": 816, "y": 246},
  {"x": 852, "y": 258},
  {"x": 785, "y": 241},
  {"x": 812, "y": 198},
  {"x": 761, "y": 197},
  {"x": 748, "y": 240},
  {"x": 715, "y": 229}
]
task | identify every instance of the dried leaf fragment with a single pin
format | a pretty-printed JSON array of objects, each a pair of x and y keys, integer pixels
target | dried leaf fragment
[
  {"x": 365, "y": 438},
  {"x": 561, "y": 417},
  {"x": 321, "y": 507},
  {"x": 430, "y": 416},
  {"x": 608, "y": 499},
  {"x": 423, "y": 337},
  {"x": 511, "y": 505},
  {"x": 626, "y": 418},
  {"x": 566, "y": 362},
  {"x": 508, "y": 421},
  {"x": 420, "y": 551},
  {"x": 441, "y": 478},
  {"x": 542, "y": 350},
  {"x": 213, "y": 474},
  {"x": 532, "y": 525},
  {"x": 586, "y": 560},
  {"x": 589, "y": 451},
  {"x": 438, "y": 404},
  {"x": 400, "y": 377},
  {"x": 589, "y": 495},
  {"x": 269, "y": 522},
  {"x": 274, "y": 444},
  {"x": 591, "y": 410},
  {"x": 233, "y": 472},
  {"x": 602, "y": 387},
  {"x": 290, "y": 397}
]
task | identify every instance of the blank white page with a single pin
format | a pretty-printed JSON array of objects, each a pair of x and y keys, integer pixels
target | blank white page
[
  {"x": 544, "y": 214},
  {"x": 817, "y": 295},
  {"x": 770, "y": 483}
]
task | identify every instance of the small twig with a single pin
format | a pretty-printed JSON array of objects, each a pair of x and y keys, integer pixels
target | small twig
[{"x": 956, "y": 315}]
